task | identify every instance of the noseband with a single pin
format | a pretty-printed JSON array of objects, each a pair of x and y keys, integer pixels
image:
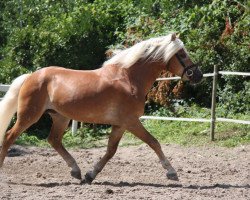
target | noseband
[{"x": 188, "y": 70}]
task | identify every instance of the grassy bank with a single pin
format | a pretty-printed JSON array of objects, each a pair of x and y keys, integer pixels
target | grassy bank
[{"x": 168, "y": 132}]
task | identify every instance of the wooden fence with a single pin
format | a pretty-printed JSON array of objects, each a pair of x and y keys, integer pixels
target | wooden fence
[{"x": 213, "y": 118}]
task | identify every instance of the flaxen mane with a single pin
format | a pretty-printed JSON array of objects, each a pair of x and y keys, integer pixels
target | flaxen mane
[{"x": 154, "y": 49}]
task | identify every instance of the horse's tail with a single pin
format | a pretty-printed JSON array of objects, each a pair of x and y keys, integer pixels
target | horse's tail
[{"x": 8, "y": 105}]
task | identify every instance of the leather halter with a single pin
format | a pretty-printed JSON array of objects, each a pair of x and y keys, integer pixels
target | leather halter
[{"x": 188, "y": 70}]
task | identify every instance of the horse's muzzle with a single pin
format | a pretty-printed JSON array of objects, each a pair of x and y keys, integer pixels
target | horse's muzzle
[
  {"x": 196, "y": 76},
  {"x": 192, "y": 73}
]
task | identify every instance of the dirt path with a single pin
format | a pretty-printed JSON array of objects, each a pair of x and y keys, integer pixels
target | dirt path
[{"x": 134, "y": 173}]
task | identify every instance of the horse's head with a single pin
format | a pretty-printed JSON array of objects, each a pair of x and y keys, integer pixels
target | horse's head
[{"x": 181, "y": 65}]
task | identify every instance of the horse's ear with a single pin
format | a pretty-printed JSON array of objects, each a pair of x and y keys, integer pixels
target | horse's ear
[
  {"x": 112, "y": 52},
  {"x": 178, "y": 35},
  {"x": 109, "y": 53},
  {"x": 173, "y": 36}
]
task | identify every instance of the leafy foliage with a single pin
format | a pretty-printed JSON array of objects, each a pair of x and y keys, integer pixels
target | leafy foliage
[
  {"x": 215, "y": 33},
  {"x": 44, "y": 33}
]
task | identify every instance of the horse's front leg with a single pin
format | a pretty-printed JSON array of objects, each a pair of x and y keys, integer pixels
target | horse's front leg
[
  {"x": 114, "y": 139},
  {"x": 138, "y": 130}
]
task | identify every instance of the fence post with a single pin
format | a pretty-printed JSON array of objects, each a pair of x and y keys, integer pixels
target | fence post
[
  {"x": 74, "y": 127},
  {"x": 213, "y": 106}
]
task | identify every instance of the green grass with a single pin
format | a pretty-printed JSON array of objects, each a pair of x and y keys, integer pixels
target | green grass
[
  {"x": 83, "y": 138},
  {"x": 168, "y": 132},
  {"x": 31, "y": 140},
  {"x": 195, "y": 133}
]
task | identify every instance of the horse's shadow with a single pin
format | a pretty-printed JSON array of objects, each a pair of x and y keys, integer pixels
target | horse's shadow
[
  {"x": 45, "y": 185},
  {"x": 134, "y": 184},
  {"x": 172, "y": 185},
  {"x": 16, "y": 151}
]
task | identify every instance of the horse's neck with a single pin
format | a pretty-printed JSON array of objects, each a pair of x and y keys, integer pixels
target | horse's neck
[{"x": 142, "y": 76}]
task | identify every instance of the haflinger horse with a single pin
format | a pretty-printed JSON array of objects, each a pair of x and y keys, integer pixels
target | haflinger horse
[{"x": 113, "y": 94}]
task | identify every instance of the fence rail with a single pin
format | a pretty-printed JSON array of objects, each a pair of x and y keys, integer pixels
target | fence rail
[
  {"x": 234, "y": 73},
  {"x": 195, "y": 119},
  {"x": 4, "y": 88},
  {"x": 179, "y": 78},
  {"x": 212, "y": 121}
]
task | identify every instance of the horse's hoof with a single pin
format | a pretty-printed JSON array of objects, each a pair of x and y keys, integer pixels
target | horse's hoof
[
  {"x": 88, "y": 178},
  {"x": 76, "y": 174},
  {"x": 172, "y": 176}
]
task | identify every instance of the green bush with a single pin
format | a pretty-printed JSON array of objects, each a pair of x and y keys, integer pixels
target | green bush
[
  {"x": 51, "y": 33},
  {"x": 232, "y": 100},
  {"x": 215, "y": 33}
]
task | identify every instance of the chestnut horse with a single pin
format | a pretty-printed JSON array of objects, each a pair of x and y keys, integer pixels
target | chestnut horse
[{"x": 113, "y": 94}]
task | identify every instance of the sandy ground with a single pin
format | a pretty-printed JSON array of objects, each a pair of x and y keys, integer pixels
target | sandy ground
[{"x": 134, "y": 173}]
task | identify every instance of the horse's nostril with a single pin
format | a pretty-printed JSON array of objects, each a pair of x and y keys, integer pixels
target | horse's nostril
[{"x": 189, "y": 72}]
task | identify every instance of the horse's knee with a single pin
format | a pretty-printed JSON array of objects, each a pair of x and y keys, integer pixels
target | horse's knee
[{"x": 54, "y": 144}]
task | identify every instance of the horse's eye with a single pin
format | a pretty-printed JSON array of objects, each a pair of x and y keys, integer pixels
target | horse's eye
[{"x": 183, "y": 55}]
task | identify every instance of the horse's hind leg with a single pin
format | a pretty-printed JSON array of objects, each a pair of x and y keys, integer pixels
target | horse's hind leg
[
  {"x": 114, "y": 139},
  {"x": 59, "y": 125},
  {"x": 138, "y": 130},
  {"x": 11, "y": 135}
]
